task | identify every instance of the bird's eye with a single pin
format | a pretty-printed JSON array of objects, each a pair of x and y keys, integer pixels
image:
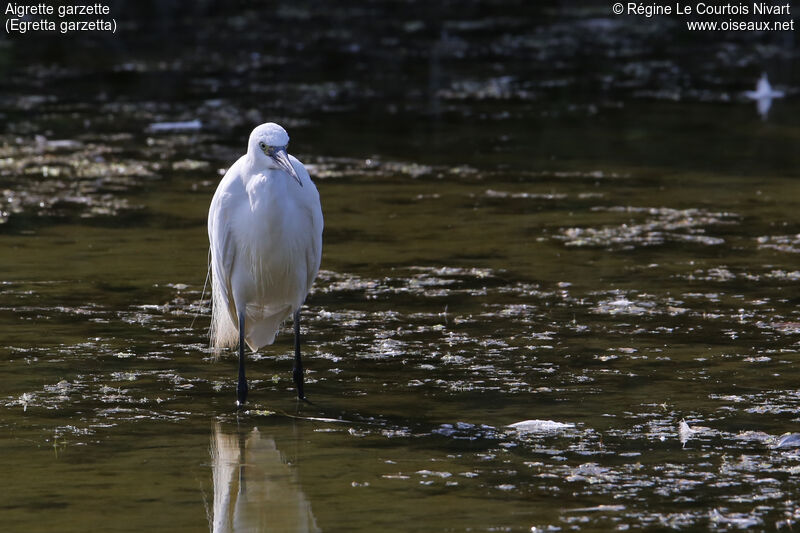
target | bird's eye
[{"x": 262, "y": 145}]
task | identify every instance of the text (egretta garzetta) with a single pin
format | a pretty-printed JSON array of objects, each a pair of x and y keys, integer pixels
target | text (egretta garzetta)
[{"x": 265, "y": 229}]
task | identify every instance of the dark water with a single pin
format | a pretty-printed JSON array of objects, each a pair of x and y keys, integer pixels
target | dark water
[{"x": 558, "y": 289}]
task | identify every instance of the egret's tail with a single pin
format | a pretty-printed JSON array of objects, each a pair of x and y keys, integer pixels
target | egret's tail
[{"x": 224, "y": 333}]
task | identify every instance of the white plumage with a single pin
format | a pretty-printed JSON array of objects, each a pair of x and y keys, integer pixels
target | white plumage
[
  {"x": 763, "y": 95},
  {"x": 265, "y": 229},
  {"x": 764, "y": 90}
]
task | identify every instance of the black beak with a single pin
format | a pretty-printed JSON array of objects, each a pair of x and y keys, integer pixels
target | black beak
[{"x": 281, "y": 159}]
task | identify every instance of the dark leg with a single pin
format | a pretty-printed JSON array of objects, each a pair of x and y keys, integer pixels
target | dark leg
[
  {"x": 241, "y": 388},
  {"x": 297, "y": 373}
]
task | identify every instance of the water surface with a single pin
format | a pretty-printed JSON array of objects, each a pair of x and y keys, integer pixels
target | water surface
[{"x": 597, "y": 239}]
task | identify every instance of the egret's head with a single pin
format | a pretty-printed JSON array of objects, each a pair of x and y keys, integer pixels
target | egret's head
[{"x": 268, "y": 143}]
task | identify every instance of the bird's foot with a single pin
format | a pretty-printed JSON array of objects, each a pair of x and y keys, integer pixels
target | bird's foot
[
  {"x": 241, "y": 394},
  {"x": 297, "y": 375}
]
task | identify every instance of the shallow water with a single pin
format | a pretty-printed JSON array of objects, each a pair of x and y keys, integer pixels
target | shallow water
[{"x": 611, "y": 268}]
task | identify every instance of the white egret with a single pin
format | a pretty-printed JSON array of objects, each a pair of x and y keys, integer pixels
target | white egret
[
  {"x": 763, "y": 95},
  {"x": 265, "y": 228}
]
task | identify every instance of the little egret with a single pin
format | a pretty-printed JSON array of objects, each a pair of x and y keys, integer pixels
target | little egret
[
  {"x": 763, "y": 95},
  {"x": 265, "y": 229}
]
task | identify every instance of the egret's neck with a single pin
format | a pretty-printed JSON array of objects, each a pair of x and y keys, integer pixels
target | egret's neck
[
  {"x": 261, "y": 177},
  {"x": 255, "y": 159},
  {"x": 255, "y": 163}
]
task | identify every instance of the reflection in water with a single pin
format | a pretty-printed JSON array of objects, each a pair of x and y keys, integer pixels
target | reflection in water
[{"x": 254, "y": 488}]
